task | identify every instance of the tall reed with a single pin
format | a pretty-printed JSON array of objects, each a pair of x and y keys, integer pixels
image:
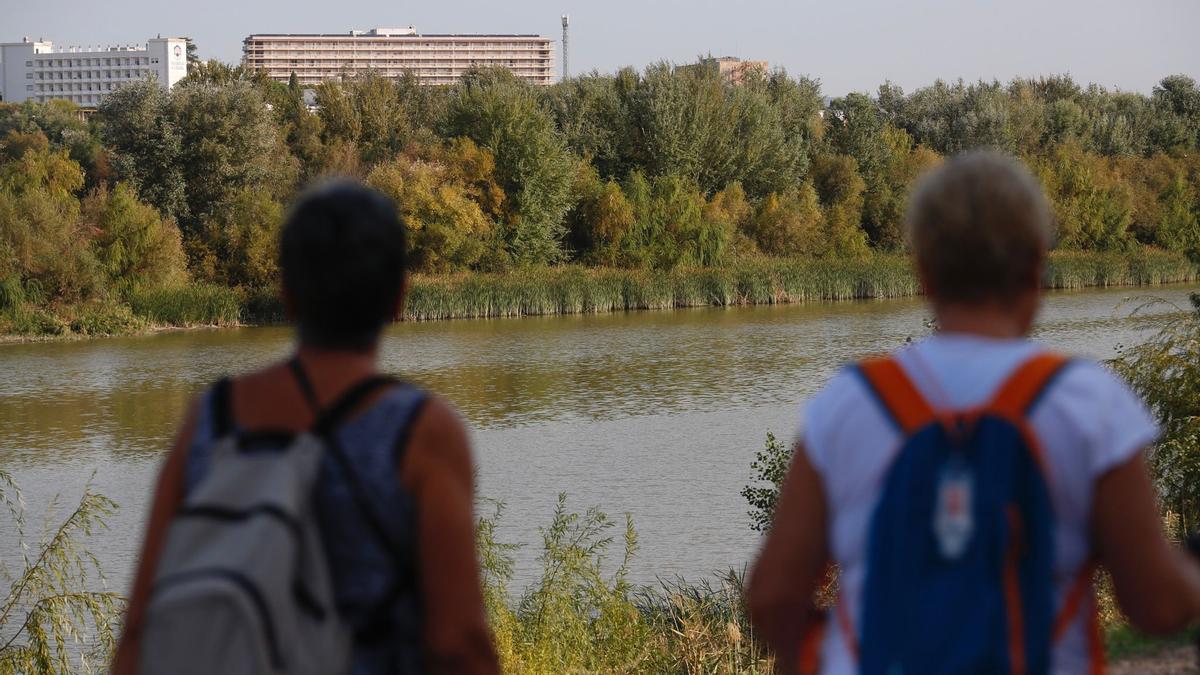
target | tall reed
[
  {"x": 187, "y": 305},
  {"x": 578, "y": 290}
]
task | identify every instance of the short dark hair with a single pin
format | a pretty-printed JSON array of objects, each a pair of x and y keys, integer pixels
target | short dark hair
[
  {"x": 979, "y": 226},
  {"x": 342, "y": 254}
]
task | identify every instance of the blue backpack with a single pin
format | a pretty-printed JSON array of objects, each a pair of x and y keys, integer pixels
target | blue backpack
[{"x": 960, "y": 560}]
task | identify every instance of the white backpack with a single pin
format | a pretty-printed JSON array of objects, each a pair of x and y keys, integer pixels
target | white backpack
[{"x": 242, "y": 587}]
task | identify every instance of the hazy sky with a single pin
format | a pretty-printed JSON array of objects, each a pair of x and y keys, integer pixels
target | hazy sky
[{"x": 849, "y": 45}]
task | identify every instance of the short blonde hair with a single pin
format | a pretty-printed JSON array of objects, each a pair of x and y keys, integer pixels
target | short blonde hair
[{"x": 979, "y": 227}]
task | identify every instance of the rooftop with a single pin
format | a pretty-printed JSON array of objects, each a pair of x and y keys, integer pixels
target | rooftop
[{"x": 409, "y": 32}]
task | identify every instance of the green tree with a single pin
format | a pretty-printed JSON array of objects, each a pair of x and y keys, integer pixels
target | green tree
[
  {"x": 133, "y": 243},
  {"x": 229, "y": 144},
  {"x": 300, "y": 128},
  {"x": 789, "y": 224},
  {"x": 503, "y": 114},
  {"x": 238, "y": 245},
  {"x": 1093, "y": 207},
  {"x": 137, "y": 126},
  {"x": 1176, "y": 103},
  {"x": 840, "y": 189},
  {"x": 599, "y": 221},
  {"x": 43, "y": 247},
  {"x": 445, "y": 203},
  {"x": 669, "y": 228}
]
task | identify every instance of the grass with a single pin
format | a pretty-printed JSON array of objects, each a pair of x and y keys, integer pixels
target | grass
[
  {"x": 571, "y": 289},
  {"x": 577, "y": 290},
  {"x": 187, "y": 306}
]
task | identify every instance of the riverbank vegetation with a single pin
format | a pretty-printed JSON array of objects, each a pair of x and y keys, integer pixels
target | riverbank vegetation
[{"x": 659, "y": 188}]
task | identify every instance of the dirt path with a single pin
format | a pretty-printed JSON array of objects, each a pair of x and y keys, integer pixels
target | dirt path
[{"x": 1179, "y": 661}]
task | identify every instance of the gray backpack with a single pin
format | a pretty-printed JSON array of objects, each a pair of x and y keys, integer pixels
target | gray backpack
[{"x": 243, "y": 587}]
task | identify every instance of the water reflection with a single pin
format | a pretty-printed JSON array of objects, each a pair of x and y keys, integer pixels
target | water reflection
[{"x": 655, "y": 413}]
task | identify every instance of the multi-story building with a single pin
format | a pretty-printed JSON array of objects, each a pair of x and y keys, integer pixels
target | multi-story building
[
  {"x": 35, "y": 70},
  {"x": 392, "y": 52},
  {"x": 731, "y": 68}
]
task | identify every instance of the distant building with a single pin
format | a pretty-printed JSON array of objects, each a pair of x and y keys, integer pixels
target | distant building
[
  {"x": 731, "y": 68},
  {"x": 36, "y": 71},
  {"x": 392, "y": 52}
]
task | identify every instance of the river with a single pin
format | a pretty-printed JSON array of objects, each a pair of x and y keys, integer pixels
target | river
[{"x": 657, "y": 414}]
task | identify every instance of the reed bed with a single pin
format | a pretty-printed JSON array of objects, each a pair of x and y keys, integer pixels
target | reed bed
[
  {"x": 578, "y": 290},
  {"x": 1141, "y": 267},
  {"x": 190, "y": 305}
]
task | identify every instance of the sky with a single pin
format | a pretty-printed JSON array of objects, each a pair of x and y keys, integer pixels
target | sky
[{"x": 849, "y": 45}]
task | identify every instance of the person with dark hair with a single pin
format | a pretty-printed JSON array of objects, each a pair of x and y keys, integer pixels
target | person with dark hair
[
  {"x": 315, "y": 485},
  {"x": 968, "y": 486}
]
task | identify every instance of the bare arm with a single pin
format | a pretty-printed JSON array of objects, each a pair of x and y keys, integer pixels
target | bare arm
[
  {"x": 792, "y": 563},
  {"x": 167, "y": 495},
  {"x": 1158, "y": 587},
  {"x": 438, "y": 471}
]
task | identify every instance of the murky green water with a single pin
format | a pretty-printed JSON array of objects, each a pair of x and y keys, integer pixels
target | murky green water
[{"x": 657, "y": 414}]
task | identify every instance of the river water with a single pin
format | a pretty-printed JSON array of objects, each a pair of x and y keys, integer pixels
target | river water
[{"x": 656, "y": 414}]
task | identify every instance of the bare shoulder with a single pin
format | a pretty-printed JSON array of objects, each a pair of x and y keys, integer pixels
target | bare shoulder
[{"x": 439, "y": 437}]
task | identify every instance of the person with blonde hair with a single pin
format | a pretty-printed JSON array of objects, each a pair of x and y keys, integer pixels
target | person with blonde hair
[{"x": 968, "y": 486}]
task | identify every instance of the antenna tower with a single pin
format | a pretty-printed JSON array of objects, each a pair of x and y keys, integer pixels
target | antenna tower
[{"x": 566, "y": 23}]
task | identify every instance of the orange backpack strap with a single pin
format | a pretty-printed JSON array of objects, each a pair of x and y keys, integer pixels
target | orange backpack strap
[
  {"x": 896, "y": 393},
  {"x": 1081, "y": 600},
  {"x": 1025, "y": 386}
]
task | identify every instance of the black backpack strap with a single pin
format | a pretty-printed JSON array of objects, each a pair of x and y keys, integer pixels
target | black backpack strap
[
  {"x": 305, "y": 383},
  {"x": 221, "y": 408},
  {"x": 329, "y": 419}
]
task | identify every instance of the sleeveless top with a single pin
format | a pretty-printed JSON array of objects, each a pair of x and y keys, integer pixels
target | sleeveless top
[{"x": 376, "y": 594}]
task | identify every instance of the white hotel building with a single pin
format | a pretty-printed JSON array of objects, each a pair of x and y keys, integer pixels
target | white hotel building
[
  {"x": 392, "y": 52},
  {"x": 36, "y": 71}
]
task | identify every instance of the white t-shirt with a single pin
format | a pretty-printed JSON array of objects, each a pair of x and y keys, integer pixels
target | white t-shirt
[{"x": 1088, "y": 422}]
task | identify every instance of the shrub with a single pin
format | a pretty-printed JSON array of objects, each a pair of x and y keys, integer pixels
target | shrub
[{"x": 55, "y": 616}]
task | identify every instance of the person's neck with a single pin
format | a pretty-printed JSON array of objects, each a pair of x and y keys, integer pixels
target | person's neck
[
  {"x": 339, "y": 363},
  {"x": 984, "y": 321}
]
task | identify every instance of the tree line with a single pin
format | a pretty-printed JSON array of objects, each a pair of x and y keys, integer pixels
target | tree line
[{"x": 656, "y": 169}]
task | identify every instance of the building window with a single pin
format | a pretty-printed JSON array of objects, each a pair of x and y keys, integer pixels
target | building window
[
  {"x": 29, "y": 87},
  {"x": 29, "y": 64}
]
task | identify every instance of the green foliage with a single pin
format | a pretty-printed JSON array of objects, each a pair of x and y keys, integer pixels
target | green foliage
[
  {"x": 56, "y": 616},
  {"x": 789, "y": 224},
  {"x": 578, "y": 616},
  {"x": 229, "y": 144},
  {"x": 667, "y": 169},
  {"x": 196, "y": 304},
  {"x": 448, "y": 198},
  {"x": 133, "y": 244},
  {"x": 1165, "y": 372},
  {"x": 598, "y": 223},
  {"x": 770, "y": 467},
  {"x": 239, "y": 245},
  {"x": 502, "y": 114},
  {"x": 137, "y": 126},
  {"x": 1092, "y": 204},
  {"x": 669, "y": 227}
]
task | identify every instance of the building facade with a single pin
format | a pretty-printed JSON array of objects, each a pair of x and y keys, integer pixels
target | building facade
[
  {"x": 731, "y": 68},
  {"x": 36, "y": 71},
  {"x": 392, "y": 52}
]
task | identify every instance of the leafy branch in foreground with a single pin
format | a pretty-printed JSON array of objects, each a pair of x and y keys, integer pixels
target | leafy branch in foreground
[
  {"x": 770, "y": 467},
  {"x": 1165, "y": 372},
  {"x": 52, "y": 620}
]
